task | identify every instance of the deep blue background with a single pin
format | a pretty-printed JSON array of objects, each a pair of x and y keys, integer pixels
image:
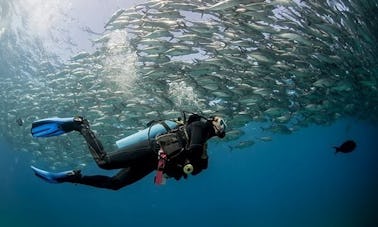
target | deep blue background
[{"x": 294, "y": 180}]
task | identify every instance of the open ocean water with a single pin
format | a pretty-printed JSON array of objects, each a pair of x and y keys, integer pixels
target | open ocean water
[
  {"x": 294, "y": 180},
  {"x": 293, "y": 79}
]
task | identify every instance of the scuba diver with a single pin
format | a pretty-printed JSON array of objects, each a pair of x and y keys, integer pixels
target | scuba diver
[{"x": 172, "y": 148}]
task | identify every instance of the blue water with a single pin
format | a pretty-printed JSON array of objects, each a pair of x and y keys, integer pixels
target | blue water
[{"x": 294, "y": 180}]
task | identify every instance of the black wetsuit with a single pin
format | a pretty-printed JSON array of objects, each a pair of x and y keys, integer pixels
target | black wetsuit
[{"x": 139, "y": 160}]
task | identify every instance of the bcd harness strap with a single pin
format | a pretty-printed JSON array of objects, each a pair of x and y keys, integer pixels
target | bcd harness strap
[{"x": 171, "y": 145}]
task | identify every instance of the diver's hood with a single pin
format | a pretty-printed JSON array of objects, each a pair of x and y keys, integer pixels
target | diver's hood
[
  {"x": 218, "y": 123},
  {"x": 219, "y": 126}
]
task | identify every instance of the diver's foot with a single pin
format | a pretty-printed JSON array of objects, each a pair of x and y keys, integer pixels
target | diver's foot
[
  {"x": 73, "y": 176},
  {"x": 56, "y": 126},
  {"x": 80, "y": 123}
]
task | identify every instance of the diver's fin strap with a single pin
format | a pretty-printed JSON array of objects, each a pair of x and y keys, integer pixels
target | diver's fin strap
[{"x": 159, "y": 178}]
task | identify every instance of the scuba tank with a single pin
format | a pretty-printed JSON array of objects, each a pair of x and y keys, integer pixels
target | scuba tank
[{"x": 146, "y": 134}]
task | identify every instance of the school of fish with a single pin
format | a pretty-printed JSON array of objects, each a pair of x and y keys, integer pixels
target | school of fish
[{"x": 286, "y": 63}]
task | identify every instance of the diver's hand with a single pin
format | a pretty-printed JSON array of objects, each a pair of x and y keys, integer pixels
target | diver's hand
[{"x": 200, "y": 165}]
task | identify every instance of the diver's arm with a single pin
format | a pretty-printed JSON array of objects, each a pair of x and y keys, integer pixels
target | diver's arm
[
  {"x": 197, "y": 141},
  {"x": 197, "y": 151}
]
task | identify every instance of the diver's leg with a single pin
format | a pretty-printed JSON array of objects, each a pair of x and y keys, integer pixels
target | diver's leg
[
  {"x": 131, "y": 156},
  {"x": 124, "y": 177},
  {"x": 118, "y": 159},
  {"x": 95, "y": 146}
]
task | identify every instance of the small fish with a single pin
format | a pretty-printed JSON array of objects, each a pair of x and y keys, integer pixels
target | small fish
[
  {"x": 243, "y": 144},
  {"x": 19, "y": 121},
  {"x": 223, "y": 5},
  {"x": 347, "y": 147},
  {"x": 114, "y": 16},
  {"x": 266, "y": 138}
]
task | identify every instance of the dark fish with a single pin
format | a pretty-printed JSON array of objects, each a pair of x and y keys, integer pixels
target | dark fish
[
  {"x": 346, "y": 147},
  {"x": 19, "y": 121}
]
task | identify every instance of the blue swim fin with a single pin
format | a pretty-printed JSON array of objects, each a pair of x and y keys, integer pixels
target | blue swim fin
[
  {"x": 65, "y": 176},
  {"x": 54, "y": 126}
]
